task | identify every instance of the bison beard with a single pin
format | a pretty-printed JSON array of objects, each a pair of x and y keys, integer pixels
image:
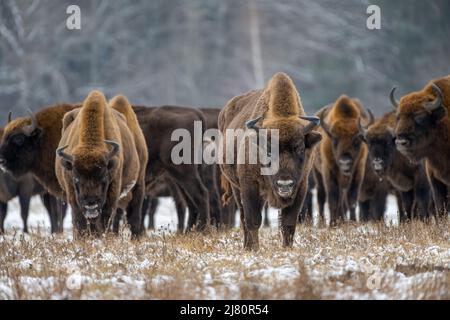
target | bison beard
[{"x": 278, "y": 106}]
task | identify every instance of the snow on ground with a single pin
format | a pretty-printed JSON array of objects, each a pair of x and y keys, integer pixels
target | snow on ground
[{"x": 353, "y": 261}]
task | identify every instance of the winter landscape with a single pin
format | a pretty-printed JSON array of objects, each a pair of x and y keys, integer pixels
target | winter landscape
[{"x": 354, "y": 261}]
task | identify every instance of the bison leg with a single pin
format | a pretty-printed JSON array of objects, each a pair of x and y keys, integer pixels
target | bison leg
[
  {"x": 252, "y": 205},
  {"x": 153, "y": 205},
  {"x": 364, "y": 210},
  {"x": 24, "y": 201},
  {"x": 180, "y": 206},
  {"x": 46, "y": 201},
  {"x": 79, "y": 223},
  {"x": 333, "y": 197},
  {"x": 3, "y": 211},
  {"x": 306, "y": 211},
  {"x": 197, "y": 199},
  {"x": 145, "y": 209},
  {"x": 134, "y": 209},
  {"x": 408, "y": 201},
  {"x": 421, "y": 194},
  {"x": 379, "y": 205},
  {"x": 352, "y": 200},
  {"x": 288, "y": 218},
  {"x": 439, "y": 193},
  {"x": 321, "y": 194},
  {"x": 266, "y": 216},
  {"x": 116, "y": 221}
]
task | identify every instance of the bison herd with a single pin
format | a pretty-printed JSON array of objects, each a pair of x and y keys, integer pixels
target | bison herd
[{"x": 111, "y": 161}]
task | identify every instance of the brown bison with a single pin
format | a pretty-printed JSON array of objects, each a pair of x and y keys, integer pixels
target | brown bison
[
  {"x": 408, "y": 178},
  {"x": 277, "y": 108},
  {"x": 29, "y": 143},
  {"x": 28, "y": 146},
  {"x": 158, "y": 124},
  {"x": 422, "y": 131},
  {"x": 340, "y": 165},
  {"x": 98, "y": 164}
]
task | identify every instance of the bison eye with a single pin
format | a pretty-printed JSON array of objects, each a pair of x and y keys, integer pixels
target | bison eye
[{"x": 18, "y": 140}]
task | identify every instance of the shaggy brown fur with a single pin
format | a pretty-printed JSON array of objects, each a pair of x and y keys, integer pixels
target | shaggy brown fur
[
  {"x": 426, "y": 135},
  {"x": 90, "y": 175},
  {"x": 340, "y": 166},
  {"x": 280, "y": 106}
]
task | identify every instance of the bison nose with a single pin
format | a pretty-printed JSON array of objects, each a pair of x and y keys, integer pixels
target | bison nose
[
  {"x": 402, "y": 142},
  {"x": 377, "y": 163},
  {"x": 285, "y": 183}
]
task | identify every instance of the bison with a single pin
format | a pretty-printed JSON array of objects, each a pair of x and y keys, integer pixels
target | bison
[
  {"x": 15, "y": 180},
  {"x": 99, "y": 164},
  {"x": 277, "y": 108},
  {"x": 158, "y": 124},
  {"x": 422, "y": 132},
  {"x": 29, "y": 143},
  {"x": 341, "y": 161},
  {"x": 406, "y": 177}
]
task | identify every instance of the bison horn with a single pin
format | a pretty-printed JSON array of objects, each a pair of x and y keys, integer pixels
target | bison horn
[
  {"x": 114, "y": 150},
  {"x": 438, "y": 101},
  {"x": 29, "y": 129},
  {"x": 324, "y": 125},
  {"x": 394, "y": 101},
  {"x": 9, "y": 116},
  {"x": 251, "y": 124},
  {"x": 60, "y": 153},
  {"x": 371, "y": 119},
  {"x": 314, "y": 122},
  {"x": 362, "y": 129}
]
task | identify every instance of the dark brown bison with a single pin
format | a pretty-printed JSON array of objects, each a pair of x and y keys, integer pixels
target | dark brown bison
[
  {"x": 372, "y": 196},
  {"x": 407, "y": 177},
  {"x": 98, "y": 164},
  {"x": 158, "y": 124},
  {"x": 422, "y": 132},
  {"x": 29, "y": 143},
  {"x": 277, "y": 108},
  {"x": 341, "y": 161},
  {"x": 16, "y": 180}
]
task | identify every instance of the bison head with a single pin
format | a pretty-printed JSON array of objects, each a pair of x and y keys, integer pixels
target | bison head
[
  {"x": 90, "y": 174},
  {"x": 417, "y": 117},
  {"x": 295, "y": 144},
  {"x": 19, "y": 145},
  {"x": 346, "y": 140},
  {"x": 381, "y": 143}
]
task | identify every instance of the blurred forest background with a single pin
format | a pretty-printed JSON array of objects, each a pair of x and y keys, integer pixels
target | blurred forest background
[{"x": 202, "y": 53}]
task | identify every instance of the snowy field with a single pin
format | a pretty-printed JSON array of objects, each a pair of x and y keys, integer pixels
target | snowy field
[{"x": 353, "y": 261}]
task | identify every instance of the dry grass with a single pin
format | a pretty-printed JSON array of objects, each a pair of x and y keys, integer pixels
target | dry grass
[{"x": 351, "y": 262}]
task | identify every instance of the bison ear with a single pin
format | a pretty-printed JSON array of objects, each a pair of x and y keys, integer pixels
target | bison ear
[
  {"x": 67, "y": 164},
  {"x": 312, "y": 138},
  {"x": 439, "y": 113}
]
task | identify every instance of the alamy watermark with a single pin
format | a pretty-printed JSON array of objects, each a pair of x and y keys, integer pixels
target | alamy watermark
[{"x": 235, "y": 146}]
